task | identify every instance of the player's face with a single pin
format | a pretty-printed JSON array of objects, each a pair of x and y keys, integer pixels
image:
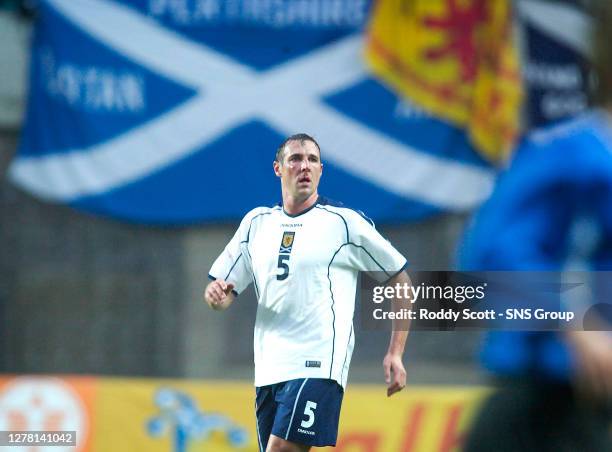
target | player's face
[{"x": 300, "y": 170}]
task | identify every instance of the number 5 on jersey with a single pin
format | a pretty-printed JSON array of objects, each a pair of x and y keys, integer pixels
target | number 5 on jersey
[
  {"x": 285, "y": 254},
  {"x": 283, "y": 266}
]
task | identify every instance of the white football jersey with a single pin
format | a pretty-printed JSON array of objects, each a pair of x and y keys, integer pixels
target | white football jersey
[{"x": 304, "y": 270}]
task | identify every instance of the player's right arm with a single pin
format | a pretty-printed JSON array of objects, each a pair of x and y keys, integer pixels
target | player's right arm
[
  {"x": 218, "y": 295},
  {"x": 231, "y": 272}
]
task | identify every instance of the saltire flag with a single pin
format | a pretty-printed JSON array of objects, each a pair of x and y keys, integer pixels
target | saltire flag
[
  {"x": 169, "y": 112},
  {"x": 455, "y": 58}
]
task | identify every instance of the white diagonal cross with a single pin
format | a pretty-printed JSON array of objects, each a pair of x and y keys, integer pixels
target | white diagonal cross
[{"x": 287, "y": 97}]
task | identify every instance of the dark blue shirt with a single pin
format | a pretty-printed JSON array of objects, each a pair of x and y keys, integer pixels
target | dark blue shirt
[{"x": 558, "y": 176}]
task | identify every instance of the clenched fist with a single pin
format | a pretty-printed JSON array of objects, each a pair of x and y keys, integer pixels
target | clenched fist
[{"x": 218, "y": 294}]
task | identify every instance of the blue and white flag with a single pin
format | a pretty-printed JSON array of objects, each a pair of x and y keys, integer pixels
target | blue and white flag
[{"x": 170, "y": 112}]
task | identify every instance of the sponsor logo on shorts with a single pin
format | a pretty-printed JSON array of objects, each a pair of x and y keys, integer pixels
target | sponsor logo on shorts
[
  {"x": 313, "y": 363},
  {"x": 306, "y": 432}
]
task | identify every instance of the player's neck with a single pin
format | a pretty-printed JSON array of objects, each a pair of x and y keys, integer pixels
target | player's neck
[{"x": 294, "y": 206}]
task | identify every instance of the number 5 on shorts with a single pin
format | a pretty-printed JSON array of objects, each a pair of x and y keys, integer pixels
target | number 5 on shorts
[{"x": 309, "y": 411}]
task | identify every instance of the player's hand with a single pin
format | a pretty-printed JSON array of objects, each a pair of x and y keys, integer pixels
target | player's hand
[
  {"x": 593, "y": 353},
  {"x": 395, "y": 374},
  {"x": 218, "y": 294}
]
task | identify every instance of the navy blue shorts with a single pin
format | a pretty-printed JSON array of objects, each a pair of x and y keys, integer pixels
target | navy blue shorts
[{"x": 303, "y": 411}]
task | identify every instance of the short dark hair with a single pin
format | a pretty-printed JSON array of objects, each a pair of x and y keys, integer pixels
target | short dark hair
[{"x": 301, "y": 137}]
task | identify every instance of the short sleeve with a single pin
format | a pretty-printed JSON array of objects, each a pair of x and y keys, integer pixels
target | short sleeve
[
  {"x": 232, "y": 264},
  {"x": 369, "y": 251}
]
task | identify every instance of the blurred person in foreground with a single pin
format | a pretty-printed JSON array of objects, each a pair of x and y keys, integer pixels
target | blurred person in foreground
[
  {"x": 554, "y": 388},
  {"x": 303, "y": 257}
]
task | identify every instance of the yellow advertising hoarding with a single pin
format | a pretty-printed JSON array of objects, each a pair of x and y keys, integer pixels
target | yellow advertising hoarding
[{"x": 121, "y": 414}]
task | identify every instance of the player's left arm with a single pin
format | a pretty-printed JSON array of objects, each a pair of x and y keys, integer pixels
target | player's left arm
[
  {"x": 395, "y": 373},
  {"x": 372, "y": 253}
]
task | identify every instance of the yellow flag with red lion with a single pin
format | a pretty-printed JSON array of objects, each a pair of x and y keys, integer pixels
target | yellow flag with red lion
[{"x": 455, "y": 58}]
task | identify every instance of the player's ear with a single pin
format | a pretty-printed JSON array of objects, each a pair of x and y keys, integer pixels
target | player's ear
[{"x": 276, "y": 167}]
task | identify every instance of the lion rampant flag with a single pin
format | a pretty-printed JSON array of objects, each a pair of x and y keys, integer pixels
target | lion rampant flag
[{"x": 455, "y": 58}]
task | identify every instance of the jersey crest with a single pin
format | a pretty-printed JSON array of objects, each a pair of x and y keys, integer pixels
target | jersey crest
[{"x": 287, "y": 242}]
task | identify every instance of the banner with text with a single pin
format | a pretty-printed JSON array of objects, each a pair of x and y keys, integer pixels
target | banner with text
[
  {"x": 556, "y": 59},
  {"x": 170, "y": 112}
]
